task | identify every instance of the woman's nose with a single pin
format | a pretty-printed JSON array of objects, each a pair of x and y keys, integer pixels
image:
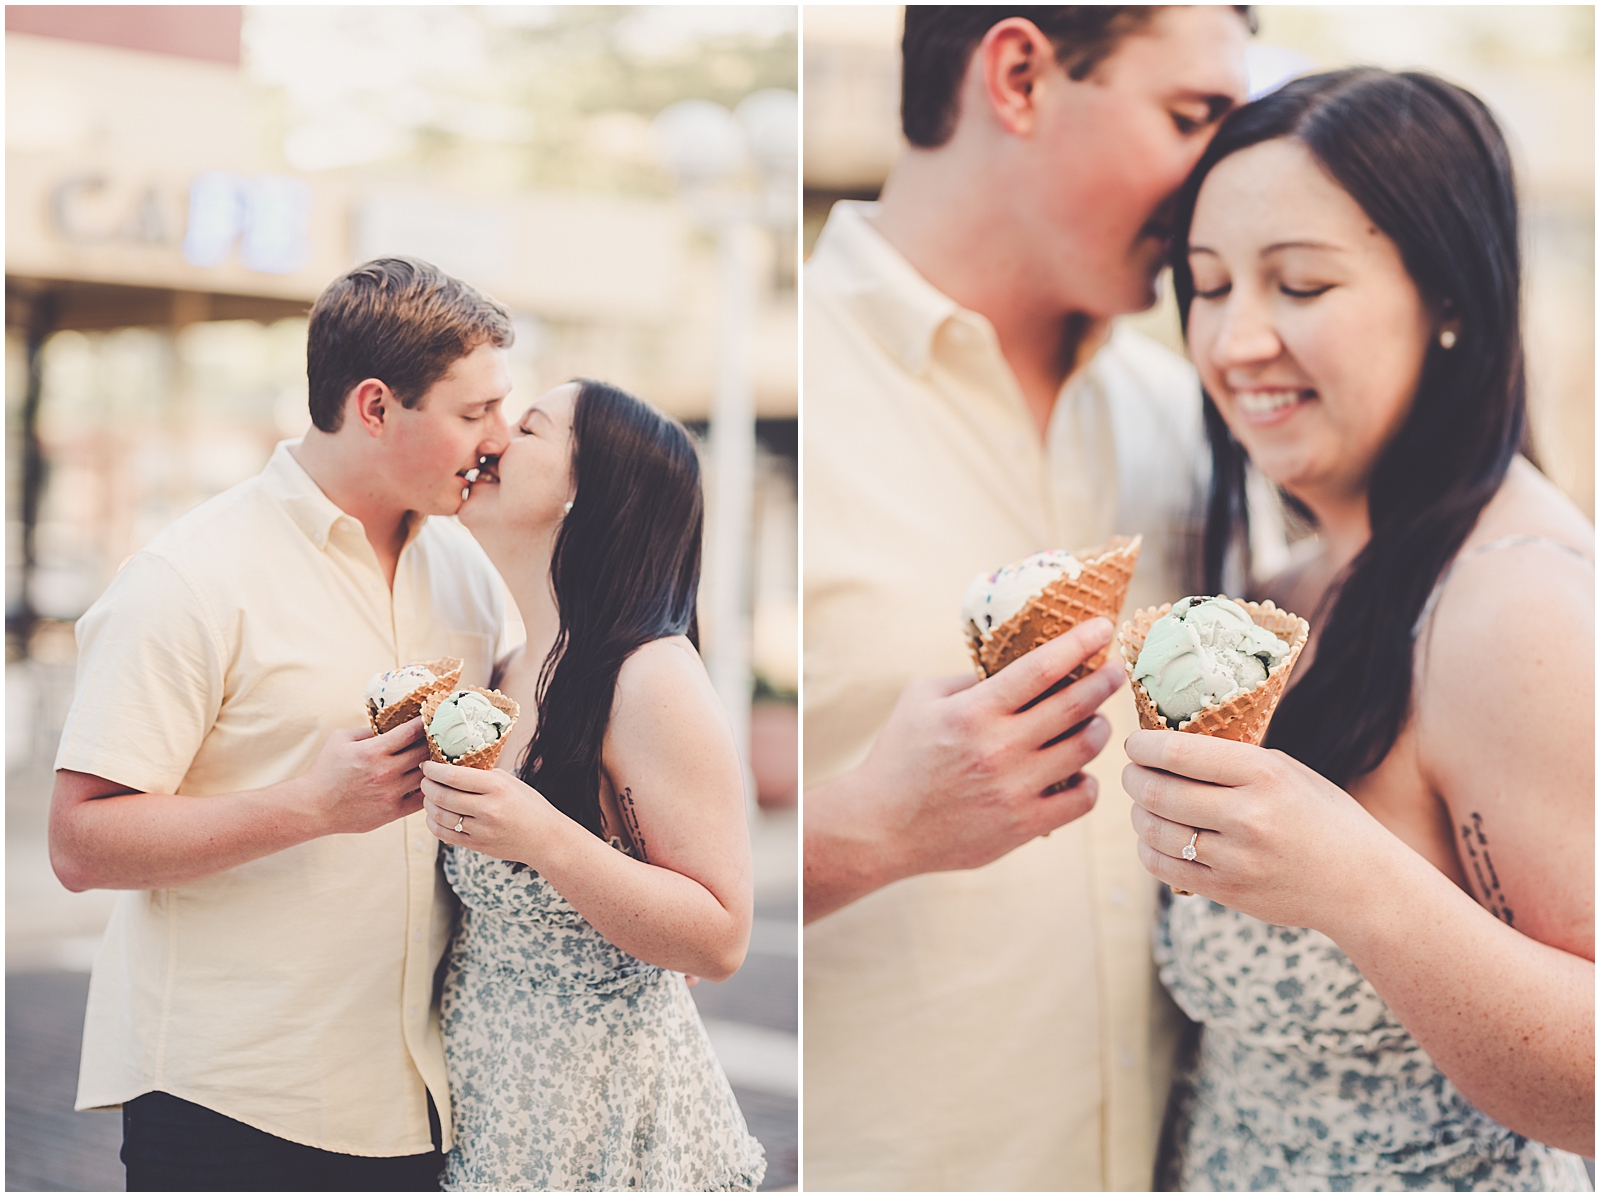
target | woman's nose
[{"x": 1247, "y": 334}]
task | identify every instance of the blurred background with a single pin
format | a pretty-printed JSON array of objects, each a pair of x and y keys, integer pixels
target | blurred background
[
  {"x": 1532, "y": 64},
  {"x": 181, "y": 182}
]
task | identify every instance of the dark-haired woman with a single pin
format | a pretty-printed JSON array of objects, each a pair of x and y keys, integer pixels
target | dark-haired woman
[
  {"x": 1391, "y": 945},
  {"x": 617, "y": 857}
]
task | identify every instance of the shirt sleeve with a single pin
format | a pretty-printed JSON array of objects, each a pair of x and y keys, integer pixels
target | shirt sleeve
[{"x": 150, "y": 680}]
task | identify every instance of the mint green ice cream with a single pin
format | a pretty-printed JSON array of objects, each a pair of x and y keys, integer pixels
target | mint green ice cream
[
  {"x": 466, "y": 722},
  {"x": 1204, "y": 651}
]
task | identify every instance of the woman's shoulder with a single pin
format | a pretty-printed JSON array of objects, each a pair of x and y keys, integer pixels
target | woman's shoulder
[
  {"x": 663, "y": 681},
  {"x": 1520, "y": 593},
  {"x": 665, "y": 704}
]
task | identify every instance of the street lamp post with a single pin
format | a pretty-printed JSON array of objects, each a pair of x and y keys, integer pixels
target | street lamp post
[{"x": 711, "y": 151}]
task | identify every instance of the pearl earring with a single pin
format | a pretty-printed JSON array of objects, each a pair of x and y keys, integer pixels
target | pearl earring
[
  {"x": 1447, "y": 339},
  {"x": 566, "y": 508}
]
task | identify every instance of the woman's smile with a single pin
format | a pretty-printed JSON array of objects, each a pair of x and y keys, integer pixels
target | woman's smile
[{"x": 1268, "y": 406}]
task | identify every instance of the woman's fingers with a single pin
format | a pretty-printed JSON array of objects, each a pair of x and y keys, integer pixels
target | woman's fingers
[
  {"x": 1169, "y": 838},
  {"x": 1177, "y": 799},
  {"x": 459, "y": 777},
  {"x": 1182, "y": 875},
  {"x": 1203, "y": 758}
]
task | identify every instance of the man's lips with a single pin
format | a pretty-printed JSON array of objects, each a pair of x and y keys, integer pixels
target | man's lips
[{"x": 487, "y": 470}]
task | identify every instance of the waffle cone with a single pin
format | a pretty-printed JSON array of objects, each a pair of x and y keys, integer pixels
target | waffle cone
[
  {"x": 1061, "y": 606},
  {"x": 447, "y": 672},
  {"x": 483, "y": 758},
  {"x": 1243, "y": 717}
]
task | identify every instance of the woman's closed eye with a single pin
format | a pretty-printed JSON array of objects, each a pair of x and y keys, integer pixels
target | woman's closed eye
[{"x": 1305, "y": 292}]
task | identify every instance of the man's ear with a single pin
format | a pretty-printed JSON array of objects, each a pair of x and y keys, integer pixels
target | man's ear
[
  {"x": 1011, "y": 59},
  {"x": 368, "y": 403}
]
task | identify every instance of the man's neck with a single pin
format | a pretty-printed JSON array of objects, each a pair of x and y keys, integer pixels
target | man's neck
[
  {"x": 351, "y": 486},
  {"x": 951, "y": 233}
]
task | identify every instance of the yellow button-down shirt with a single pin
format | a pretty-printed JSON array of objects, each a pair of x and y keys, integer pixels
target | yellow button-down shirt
[
  {"x": 999, "y": 1028},
  {"x": 293, "y": 993}
]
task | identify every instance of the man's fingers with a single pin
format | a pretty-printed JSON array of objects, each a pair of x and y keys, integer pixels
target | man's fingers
[
  {"x": 397, "y": 739},
  {"x": 1031, "y": 674},
  {"x": 1065, "y": 757},
  {"x": 1073, "y": 801},
  {"x": 1073, "y": 704},
  {"x": 1204, "y": 758}
]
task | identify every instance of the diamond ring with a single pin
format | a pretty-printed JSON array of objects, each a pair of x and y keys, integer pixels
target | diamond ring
[
  {"x": 461, "y": 825},
  {"x": 1187, "y": 853}
]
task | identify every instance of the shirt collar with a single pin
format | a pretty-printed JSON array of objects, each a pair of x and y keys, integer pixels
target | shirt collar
[
  {"x": 286, "y": 480},
  {"x": 902, "y": 310}
]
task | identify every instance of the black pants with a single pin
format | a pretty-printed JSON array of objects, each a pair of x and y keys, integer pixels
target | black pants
[{"x": 173, "y": 1145}]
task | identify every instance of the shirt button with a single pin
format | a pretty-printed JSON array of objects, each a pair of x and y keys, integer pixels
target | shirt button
[
  {"x": 422, "y": 845},
  {"x": 412, "y": 1013},
  {"x": 417, "y": 935},
  {"x": 1119, "y": 897},
  {"x": 1125, "y": 1059}
]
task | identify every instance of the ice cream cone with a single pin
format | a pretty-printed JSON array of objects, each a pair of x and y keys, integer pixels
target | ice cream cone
[
  {"x": 483, "y": 758},
  {"x": 1099, "y": 589},
  {"x": 446, "y": 671},
  {"x": 1243, "y": 717}
]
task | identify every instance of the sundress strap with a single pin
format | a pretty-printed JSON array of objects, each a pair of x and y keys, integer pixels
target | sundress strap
[{"x": 1503, "y": 542}]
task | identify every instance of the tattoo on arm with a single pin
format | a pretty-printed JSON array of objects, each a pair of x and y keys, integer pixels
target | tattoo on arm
[
  {"x": 630, "y": 819},
  {"x": 1477, "y": 845}
]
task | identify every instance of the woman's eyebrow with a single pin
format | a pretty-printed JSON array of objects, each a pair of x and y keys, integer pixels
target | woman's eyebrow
[{"x": 1282, "y": 245}]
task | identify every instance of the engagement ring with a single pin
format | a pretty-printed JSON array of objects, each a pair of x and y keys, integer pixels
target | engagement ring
[
  {"x": 461, "y": 825},
  {"x": 1187, "y": 854}
]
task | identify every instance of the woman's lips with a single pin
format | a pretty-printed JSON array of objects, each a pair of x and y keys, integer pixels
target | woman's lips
[{"x": 1270, "y": 405}]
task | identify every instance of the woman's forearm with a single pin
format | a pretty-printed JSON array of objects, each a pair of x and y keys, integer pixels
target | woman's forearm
[
  {"x": 1508, "y": 1019},
  {"x": 662, "y": 917}
]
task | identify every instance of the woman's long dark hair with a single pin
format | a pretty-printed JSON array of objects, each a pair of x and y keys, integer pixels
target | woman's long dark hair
[
  {"x": 1429, "y": 167},
  {"x": 625, "y": 570}
]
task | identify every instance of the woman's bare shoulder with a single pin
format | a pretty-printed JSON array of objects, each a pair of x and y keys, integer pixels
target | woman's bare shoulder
[
  {"x": 663, "y": 689},
  {"x": 1517, "y": 607}
]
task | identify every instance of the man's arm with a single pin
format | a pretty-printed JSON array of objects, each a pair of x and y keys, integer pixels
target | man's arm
[
  {"x": 959, "y": 774},
  {"x": 105, "y": 836}
]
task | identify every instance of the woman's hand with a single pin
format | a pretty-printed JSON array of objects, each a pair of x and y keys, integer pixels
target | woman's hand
[
  {"x": 1277, "y": 840},
  {"x": 499, "y": 815}
]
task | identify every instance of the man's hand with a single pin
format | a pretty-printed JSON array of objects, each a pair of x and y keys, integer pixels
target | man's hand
[
  {"x": 360, "y": 781},
  {"x": 962, "y": 773},
  {"x": 105, "y": 836}
]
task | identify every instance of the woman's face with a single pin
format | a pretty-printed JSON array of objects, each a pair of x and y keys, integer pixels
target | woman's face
[
  {"x": 1305, "y": 327},
  {"x": 530, "y": 485}
]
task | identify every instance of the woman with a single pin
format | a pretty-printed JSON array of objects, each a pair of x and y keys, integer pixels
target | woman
[
  {"x": 617, "y": 856},
  {"x": 1391, "y": 950}
]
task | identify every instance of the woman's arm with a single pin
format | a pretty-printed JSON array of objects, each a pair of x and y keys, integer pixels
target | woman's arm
[{"x": 669, "y": 755}]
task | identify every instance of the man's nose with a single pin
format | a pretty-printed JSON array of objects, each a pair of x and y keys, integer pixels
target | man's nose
[{"x": 495, "y": 437}]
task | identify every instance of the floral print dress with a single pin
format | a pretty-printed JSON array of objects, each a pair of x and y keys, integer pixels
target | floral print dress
[
  {"x": 574, "y": 1066},
  {"x": 1305, "y": 1080}
]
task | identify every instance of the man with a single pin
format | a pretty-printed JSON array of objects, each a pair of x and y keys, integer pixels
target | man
[
  {"x": 262, "y": 1007},
  {"x": 967, "y": 405}
]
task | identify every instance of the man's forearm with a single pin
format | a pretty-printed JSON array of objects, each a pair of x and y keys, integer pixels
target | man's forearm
[
  {"x": 844, "y": 860},
  {"x": 151, "y": 841}
]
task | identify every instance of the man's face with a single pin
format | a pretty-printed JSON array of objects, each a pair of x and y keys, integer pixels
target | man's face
[
  {"x": 1109, "y": 152},
  {"x": 459, "y": 420}
]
